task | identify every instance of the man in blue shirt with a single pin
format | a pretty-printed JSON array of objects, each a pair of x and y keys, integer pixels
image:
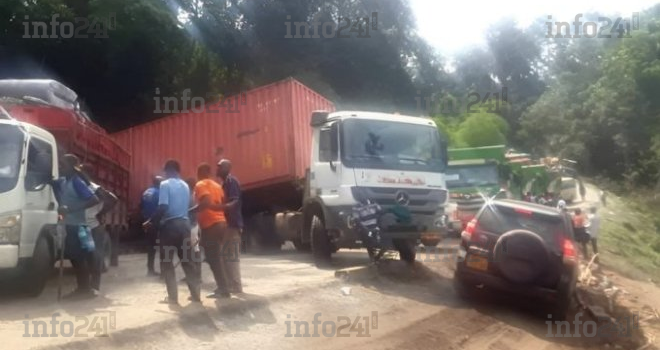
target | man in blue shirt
[
  {"x": 74, "y": 197},
  {"x": 174, "y": 233},
  {"x": 148, "y": 206}
]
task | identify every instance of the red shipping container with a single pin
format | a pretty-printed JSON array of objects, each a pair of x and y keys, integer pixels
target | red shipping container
[{"x": 266, "y": 135}]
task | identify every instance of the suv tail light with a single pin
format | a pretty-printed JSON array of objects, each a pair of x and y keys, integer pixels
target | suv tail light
[
  {"x": 470, "y": 233},
  {"x": 568, "y": 248}
]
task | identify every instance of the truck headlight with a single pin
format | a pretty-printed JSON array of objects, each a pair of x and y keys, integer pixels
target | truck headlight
[
  {"x": 441, "y": 221},
  {"x": 10, "y": 228}
]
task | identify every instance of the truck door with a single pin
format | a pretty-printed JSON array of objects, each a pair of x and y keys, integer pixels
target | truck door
[
  {"x": 40, "y": 207},
  {"x": 326, "y": 170}
]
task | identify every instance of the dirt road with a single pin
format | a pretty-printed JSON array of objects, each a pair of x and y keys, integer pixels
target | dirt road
[
  {"x": 290, "y": 304},
  {"x": 393, "y": 306}
]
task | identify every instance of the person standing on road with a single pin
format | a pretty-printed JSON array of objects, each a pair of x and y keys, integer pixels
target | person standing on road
[
  {"x": 95, "y": 217},
  {"x": 75, "y": 197},
  {"x": 579, "y": 229},
  {"x": 194, "y": 229},
  {"x": 593, "y": 229},
  {"x": 148, "y": 206},
  {"x": 232, "y": 246},
  {"x": 211, "y": 216},
  {"x": 561, "y": 205},
  {"x": 174, "y": 233}
]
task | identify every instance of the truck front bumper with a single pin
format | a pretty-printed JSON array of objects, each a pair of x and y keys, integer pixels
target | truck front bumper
[
  {"x": 8, "y": 256},
  {"x": 422, "y": 227}
]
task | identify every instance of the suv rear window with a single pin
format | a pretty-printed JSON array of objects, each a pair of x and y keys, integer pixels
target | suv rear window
[{"x": 498, "y": 220}]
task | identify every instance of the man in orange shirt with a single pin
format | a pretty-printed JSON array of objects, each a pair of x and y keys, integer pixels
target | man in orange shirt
[{"x": 212, "y": 222}]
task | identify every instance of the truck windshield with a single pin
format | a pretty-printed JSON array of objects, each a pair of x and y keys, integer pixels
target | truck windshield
[
  {"x": 382, "y": 144},
  {"x": 11, "y": 148},
  {"x": 471, "y": 175}
]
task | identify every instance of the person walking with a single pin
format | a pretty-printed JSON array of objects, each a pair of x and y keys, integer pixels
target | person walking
[
  {"x": 231, "y": 248},
  {"x": 148, "y": 206},
  {"x": 95, "y": 219},
  {"x": 212, "y": 222},
  {"x": 74, "y": 198},
  {"x": 593, "y": 229},
  {"x": 174, "y": 233}
]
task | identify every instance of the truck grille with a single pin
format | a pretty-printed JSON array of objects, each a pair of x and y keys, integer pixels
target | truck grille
[{"x": 422, "y": 201}]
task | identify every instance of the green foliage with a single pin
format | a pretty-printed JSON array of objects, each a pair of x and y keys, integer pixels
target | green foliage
[{"x": 601, "y": 106}]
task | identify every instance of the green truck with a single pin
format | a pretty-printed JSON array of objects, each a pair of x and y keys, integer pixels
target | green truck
[{"x": 472, "y": 175}]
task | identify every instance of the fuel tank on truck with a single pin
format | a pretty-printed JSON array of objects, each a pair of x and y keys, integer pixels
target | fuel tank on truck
[{"x": 265, "y": 132}]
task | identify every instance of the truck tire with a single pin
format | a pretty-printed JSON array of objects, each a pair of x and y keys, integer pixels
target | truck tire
[
  {"x": 321, "y": 246},
  {"x": 38, "y": 269},
  {"x": 406, "y": 249},
  {"x": 300, "y": 246},
  {"x": 106, "y": 259}
]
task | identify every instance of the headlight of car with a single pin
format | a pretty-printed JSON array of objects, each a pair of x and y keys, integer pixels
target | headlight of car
[{"x": 10, "y": 228}]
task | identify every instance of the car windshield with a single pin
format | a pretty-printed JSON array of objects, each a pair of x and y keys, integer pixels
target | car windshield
[
  {"x": 472, "y": 175},
  {"x": 391, "y": 145},
  {"x": 11, "y": 147}
]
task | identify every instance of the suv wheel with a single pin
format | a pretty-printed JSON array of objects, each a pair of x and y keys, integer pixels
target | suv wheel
[
  {"x": 406, "y": 248},
  {"x": 39, "y": 269},
  {"x": 462, "y": 289},
  {"x": 565, "y": 302},
  {"x": 321, "y": 246}
]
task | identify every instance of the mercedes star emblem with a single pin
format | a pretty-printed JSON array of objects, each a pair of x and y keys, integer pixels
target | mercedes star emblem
[{"x": 402, "y": 198}]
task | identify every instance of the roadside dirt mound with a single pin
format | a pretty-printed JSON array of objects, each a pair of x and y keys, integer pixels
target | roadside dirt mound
[{"x": 617, "y": 324}]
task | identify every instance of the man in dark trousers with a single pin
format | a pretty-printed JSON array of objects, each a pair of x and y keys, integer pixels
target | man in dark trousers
[
  {"x": 148, "y": 206},
  {"x": 95, "y": 217},
  {"x": 174, "y": 233},
  {"x": 211, "y": 217},
  {"x": 75, "y": 197},
  {"x": 234, "y": 217}
]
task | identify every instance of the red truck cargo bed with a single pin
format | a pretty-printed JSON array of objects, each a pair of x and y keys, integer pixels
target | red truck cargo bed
[
  {"x": 267, "y": 138},
  {"x": 75, "y": 134}
]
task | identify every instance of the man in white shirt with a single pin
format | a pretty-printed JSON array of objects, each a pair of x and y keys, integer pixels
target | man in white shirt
[{"x": 593, "y": 229}]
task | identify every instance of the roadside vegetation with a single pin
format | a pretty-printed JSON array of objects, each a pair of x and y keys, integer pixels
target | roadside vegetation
[{"x": 630, "y": 237}]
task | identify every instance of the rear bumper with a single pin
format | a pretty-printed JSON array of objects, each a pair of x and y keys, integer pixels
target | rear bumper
[{"x": 473, "y": 277}]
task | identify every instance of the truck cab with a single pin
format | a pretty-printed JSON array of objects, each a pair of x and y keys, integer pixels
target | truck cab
[
  {"x": 397, "y": 162},
  {"x": 470, "y": 182},
  {"x": 28, "y": 212}
]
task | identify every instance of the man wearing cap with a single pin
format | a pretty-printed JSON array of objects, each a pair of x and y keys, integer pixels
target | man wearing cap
[
  {"x": 74, "y": 198},
  {"x": 234, "y": 217},
  {"x": 148, "y": 206}
]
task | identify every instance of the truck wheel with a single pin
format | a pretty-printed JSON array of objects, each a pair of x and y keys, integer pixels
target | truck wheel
[
  {"x": 107, "y": 252},
  {"x": 300, "y": 246},
  {"x": 38, "y": 269},
  {"x": 406, "y": 249},
  {"x": 321, "y": 247}
]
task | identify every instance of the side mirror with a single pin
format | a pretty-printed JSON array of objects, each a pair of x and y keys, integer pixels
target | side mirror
[{"x": 334, "y": 145}]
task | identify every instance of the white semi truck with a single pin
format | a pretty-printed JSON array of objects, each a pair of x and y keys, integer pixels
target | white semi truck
[{"x": 393, "y": 160}]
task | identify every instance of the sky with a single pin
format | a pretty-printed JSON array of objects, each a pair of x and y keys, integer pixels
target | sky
[{"x": 451, "y": 26}]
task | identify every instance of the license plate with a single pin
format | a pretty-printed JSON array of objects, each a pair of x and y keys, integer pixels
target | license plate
[{"x": 477, "y": 262}]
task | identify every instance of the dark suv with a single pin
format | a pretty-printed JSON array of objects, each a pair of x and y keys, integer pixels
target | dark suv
[{"x": 520, "y": 248}]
